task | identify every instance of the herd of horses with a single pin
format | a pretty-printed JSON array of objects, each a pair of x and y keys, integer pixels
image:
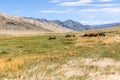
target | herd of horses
[
  {"x": 82, "y": 35},
  {"x": 93, "y": 34}
]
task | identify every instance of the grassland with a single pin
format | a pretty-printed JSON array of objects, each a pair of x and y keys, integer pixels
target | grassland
[{"x": 37, "y": 58}]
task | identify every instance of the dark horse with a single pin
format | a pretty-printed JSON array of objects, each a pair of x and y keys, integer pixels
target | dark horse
[
  {"x": 93, "y": 34},
  {"x": 52, "y": 38}
]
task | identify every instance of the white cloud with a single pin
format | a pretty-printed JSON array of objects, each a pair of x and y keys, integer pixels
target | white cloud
[
  {"x": 55, "y": 1},
  {"x": 107, "y": 5},
  {"x": 103, "y": 5},
  {"x": 91, "y": 16},
  {"x": 56, "y": 11},
  {"x": 100, "y": 22},
  {"x": 88, "y": 3},
  {"x": 76, "y": 3},
  {"x": 85, "y": 22},
  {"x": 111, "y": 10},
  {"x": 105, "y": 0}
]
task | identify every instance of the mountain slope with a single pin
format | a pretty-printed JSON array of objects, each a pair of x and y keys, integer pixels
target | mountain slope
[
  {"x": 71, "y": 24},
  {"x": 65, "y": 24},
  {"x": 21, "y": 23}
]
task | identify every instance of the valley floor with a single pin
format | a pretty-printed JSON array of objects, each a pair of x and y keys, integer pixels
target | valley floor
[{"x": 76, "y": 58}]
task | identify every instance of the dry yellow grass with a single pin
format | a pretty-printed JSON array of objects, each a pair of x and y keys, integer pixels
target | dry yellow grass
[
  {"x": 89, "y": 41},
  {"x": 10, "y": 64},
  {"x": 14, "y": 64}
]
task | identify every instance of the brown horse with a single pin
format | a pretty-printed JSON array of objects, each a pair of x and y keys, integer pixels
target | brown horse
[
  {"x": 68, "y": 35},
  {"x": 101, "y": 34},
  {"x": 73, "y": 35},
  {"x": 52, "y": 38}
]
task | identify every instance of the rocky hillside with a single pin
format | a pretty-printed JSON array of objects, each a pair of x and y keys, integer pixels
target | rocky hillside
[
  {"x": 66, "y": 24},
  {"x": 21, "y": 23},
  {"x": 71, "y": 24}
]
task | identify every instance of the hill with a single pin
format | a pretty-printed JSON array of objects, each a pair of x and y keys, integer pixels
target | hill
[{"x": 21, "y": 23}]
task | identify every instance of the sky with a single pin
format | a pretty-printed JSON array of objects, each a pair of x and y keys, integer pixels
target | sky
[{"x": 89, "y": 12}]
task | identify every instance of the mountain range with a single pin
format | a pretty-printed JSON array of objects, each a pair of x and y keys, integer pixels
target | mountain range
[
  {"x": 74, "y": 25},
  {"x": 77, "y": 26},
  {"x": 44, "y": 25}
]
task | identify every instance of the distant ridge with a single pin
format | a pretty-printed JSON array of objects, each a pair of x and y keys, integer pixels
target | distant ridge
[
  {"x": 21, "y": 23},
  {"x": 66, "y": 24},
  {"x": 104, "y": 26}
]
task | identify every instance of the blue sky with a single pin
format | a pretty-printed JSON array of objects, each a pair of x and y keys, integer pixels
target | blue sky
[{"x": 84, "y": 11}]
